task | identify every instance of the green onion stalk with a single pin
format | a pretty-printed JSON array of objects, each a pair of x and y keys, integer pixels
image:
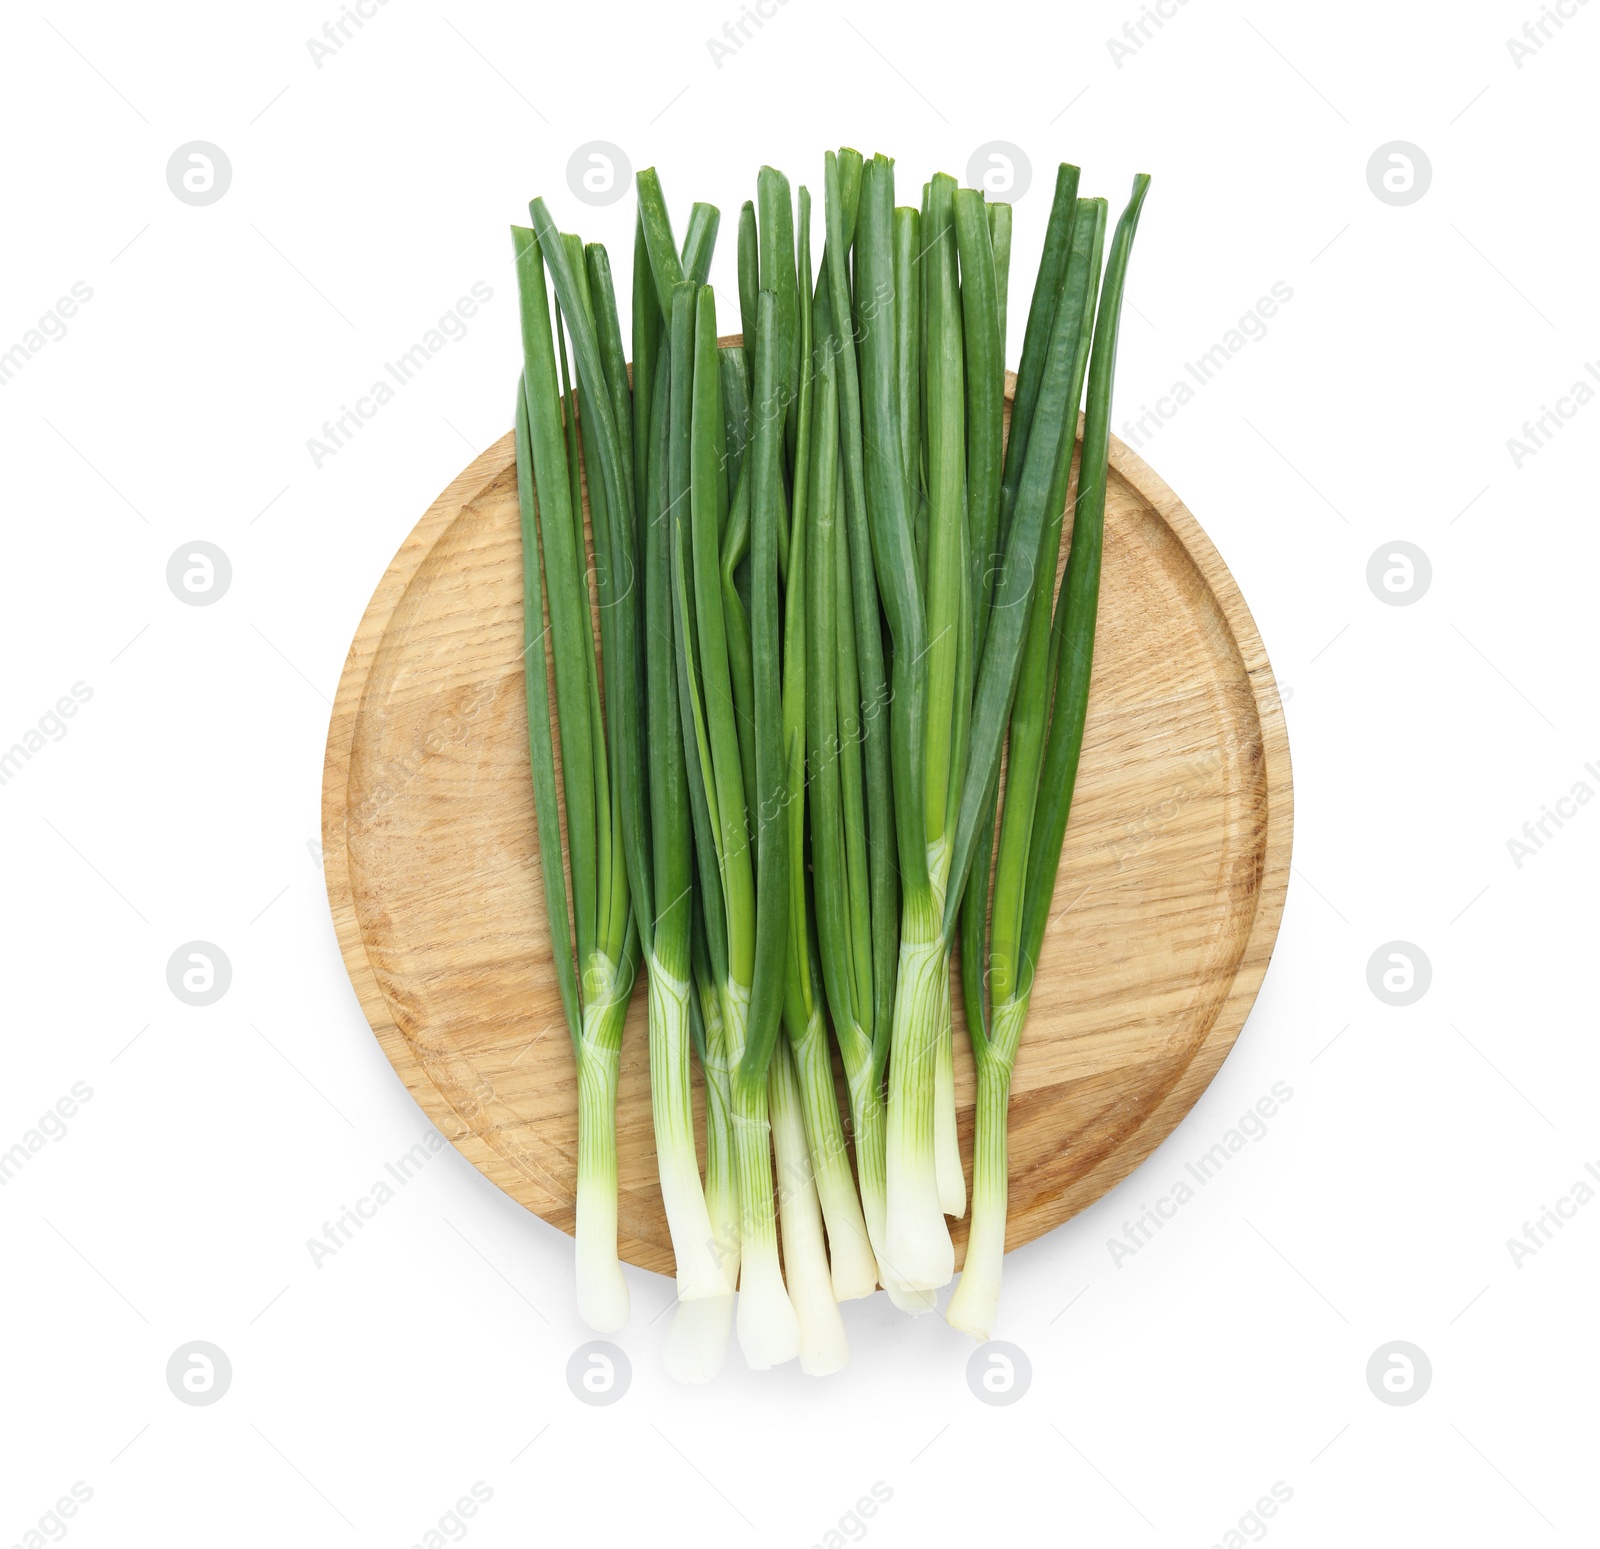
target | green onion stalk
[
  {"x": 874, "y": 852},
  {"x": 950, "y": 629},
  {"x": 710, "y": 940},
  {"x": 819, "y": 582},
  {"x": 850, "y": 794},
  {"x": 853, "y": 1270},
  {"x": 595, "y": 941},
  {"x": 957, "y": 557},
  {"x": 649, "y": 769},
  {"x": 1046, "y": 729},
  {"x": 983, "y": 271},
  {"x": 744, "y": 842},
  {"x": 921, "y": 563},
  {"x": 702, "y": 1221},
  {"x": 701, "y": 1231}
]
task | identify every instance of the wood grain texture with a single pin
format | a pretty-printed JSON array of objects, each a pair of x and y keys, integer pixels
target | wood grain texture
[{"x": 1168, "y": 900}]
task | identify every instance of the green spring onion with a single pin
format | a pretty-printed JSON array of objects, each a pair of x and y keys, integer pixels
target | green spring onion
[
  {"x": 823, "y": 578},
  {"x": 854, "y": 1269},
  {"x": 595, "y": 944},
  {"x": 1053, "y": 683}
]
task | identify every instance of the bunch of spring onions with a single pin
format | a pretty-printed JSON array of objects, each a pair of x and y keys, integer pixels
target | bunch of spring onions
[{"x": 823, "y": 575}]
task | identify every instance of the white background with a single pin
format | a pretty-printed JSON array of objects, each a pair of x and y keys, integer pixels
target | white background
[{"x": 1167, "y": 1395}]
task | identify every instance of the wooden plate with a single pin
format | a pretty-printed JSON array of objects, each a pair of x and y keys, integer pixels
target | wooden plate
[{"x": 1170, "y": 891}]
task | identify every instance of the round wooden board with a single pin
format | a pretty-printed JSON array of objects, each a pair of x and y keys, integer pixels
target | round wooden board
[{"x": 1168, "y": 900}]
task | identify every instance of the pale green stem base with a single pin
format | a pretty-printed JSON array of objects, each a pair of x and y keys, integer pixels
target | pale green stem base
[
  {"x": 823, "y": 1346},
  {"x": 602, "y": 1291},
  {"x": 918, "y": 1248},
  {"x": 722, "y": 1179},
  {"x": 869, "y": 1120},
  {"x": 976, "y": 1300},
  {"x": 769, "y": 1332},
  {"x": 946, "y": 1146},
  {"x": 854, "y": 1264},
  {"x": 700, "y": 1271}
]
